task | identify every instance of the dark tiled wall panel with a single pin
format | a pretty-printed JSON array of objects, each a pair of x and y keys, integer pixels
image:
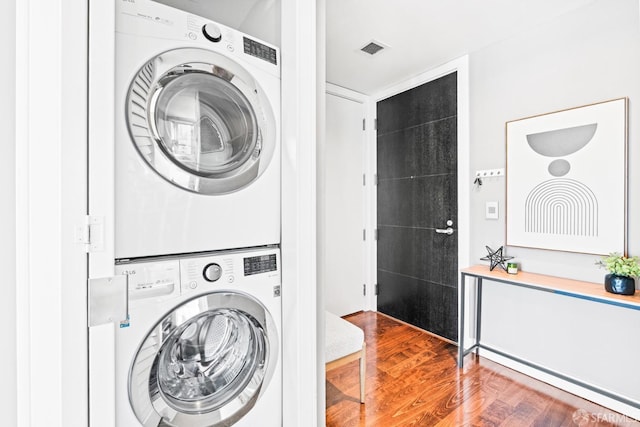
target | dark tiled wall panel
[
  {"x": 417, "y": 192},
  {"x": 426, "y": 103}
]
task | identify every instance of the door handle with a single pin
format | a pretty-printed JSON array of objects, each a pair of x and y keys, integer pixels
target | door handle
[{"x": 447, "y": 230}]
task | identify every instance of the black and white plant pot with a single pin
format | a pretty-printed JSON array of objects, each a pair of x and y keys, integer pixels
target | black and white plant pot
[{"x": 621, "y": 285}]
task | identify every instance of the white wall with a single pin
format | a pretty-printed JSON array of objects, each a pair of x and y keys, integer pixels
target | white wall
[
  {"x": 584, "y": 57},
  {"x": 587, "y": 56},
  {"x": 8, "y": 210}
]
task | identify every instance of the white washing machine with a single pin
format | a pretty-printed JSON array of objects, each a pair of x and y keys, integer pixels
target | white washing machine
[
  {"x": 201, "y": 347},
  {"x": 197, "y": 134}
]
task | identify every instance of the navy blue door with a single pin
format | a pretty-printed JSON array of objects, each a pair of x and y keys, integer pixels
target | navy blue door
[{"x": 417, "y": 194}]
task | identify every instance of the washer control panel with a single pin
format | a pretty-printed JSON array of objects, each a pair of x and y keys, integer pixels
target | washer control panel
[
  {"x": 212, "y": 272},
  {"x": 212, "y": 32},
  {"x": 260, "y": 264},
  {"x": 154, "y": 280},
  {"x": 231, "y": 269},
  {"x": 198, "y": 274},
  {"x": 151, "y": 279}
]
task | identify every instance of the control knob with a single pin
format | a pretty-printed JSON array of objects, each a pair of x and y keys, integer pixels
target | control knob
[
  {"x": 212, "y": 272},
  {"x": 212, "y": 32}
]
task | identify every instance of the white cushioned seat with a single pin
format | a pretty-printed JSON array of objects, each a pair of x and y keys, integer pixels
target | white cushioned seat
[
  {"x": 341, "y": 338},
  {"x": 344, "y": 343}
]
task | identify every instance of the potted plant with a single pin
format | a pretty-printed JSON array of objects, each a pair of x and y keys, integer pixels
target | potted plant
[{"x": 622, "y": 271}]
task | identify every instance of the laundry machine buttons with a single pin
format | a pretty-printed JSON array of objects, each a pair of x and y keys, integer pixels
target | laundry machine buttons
[
  {"x": 212, "y": 32},
  {"x": 212, "y": 272}
]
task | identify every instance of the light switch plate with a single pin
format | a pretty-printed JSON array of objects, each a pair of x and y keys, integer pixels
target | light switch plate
[{"x": 491, "y": 210}]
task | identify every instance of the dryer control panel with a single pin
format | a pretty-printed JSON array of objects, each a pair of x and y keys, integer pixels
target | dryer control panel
[{"x": 160, "y": 21}]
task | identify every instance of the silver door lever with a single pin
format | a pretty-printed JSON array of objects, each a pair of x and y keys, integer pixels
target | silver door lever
[{"x": 448, "y": 231}]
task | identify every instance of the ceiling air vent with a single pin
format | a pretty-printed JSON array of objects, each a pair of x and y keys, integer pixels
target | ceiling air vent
[{"x": 372, "y": 48}]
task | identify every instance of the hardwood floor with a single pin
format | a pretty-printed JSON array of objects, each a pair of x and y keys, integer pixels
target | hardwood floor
[{"x": 413, "y": 380}]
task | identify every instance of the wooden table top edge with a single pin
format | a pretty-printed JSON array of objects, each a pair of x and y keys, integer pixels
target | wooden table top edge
[{"x": 589, "y": 290}]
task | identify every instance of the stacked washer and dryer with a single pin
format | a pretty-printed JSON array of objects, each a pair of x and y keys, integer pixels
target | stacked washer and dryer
[{"x": 197, "y": 221}]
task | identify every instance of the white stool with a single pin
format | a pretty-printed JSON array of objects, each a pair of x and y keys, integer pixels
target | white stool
[{"x": 344, "y": 343}]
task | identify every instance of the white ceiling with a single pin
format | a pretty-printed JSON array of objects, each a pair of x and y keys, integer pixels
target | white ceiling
[{"x": 421, "y": 34}]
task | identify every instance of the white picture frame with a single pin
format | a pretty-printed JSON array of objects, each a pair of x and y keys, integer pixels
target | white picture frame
[{"x": 566, "y": 179}]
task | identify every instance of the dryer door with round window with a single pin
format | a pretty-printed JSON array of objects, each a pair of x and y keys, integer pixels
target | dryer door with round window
[
  {"x": 206, "y": 363},
  {"x": 201, "y": 121}
]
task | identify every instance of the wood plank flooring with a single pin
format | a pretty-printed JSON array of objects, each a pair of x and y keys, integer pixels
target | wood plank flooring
[{"x": 413, "y": 380}]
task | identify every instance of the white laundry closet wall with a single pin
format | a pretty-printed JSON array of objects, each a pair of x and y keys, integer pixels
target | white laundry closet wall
[{"x": 7, "y": 208}]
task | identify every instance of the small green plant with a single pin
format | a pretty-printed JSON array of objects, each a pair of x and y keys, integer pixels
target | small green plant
[{"x": 620, "y": 265}]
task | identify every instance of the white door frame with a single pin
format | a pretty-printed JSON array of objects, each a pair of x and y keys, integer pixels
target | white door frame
[
  {"x": 8, "y": 359},
  {"x": 368, "y": 280},
  {"x": 302, "y": 326},
  {"x": 101, "y": 203},
  {"x": 51, "y": 269},
  {"x": 461, "y": 66}
]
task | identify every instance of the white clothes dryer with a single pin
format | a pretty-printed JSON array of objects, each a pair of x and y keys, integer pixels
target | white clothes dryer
[
  {"x": 201, "y": 346},
  {"x": 197, "y": 134}
]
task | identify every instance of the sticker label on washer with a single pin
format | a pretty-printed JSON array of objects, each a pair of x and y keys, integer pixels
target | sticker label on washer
[{"x": 125, "y": 323}]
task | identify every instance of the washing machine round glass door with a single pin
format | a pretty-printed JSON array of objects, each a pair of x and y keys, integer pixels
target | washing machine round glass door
[
  {"x": 205, "y": 363},
  {"x": 200, "y": 121}
]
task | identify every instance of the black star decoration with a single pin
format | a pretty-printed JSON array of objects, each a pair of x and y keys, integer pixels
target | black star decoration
[{"x": 496, "y": 258}]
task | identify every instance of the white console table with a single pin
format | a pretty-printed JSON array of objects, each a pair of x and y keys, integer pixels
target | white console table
[{"x": 566, "y": 287}]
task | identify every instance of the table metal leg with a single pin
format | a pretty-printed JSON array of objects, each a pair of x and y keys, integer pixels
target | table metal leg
[
  {"x": 478, "y": 313},
  {"x": 461, "y": 299}
]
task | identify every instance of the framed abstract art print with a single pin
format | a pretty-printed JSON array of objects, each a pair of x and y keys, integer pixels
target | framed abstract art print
[{"x": 567, "y": 179}]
